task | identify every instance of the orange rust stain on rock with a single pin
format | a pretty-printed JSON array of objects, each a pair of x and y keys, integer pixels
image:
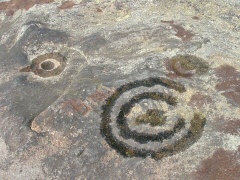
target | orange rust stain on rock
[
  {"x": 10, "y": 7},
  {"x": 67, "y": 5},
  {"x": 231, "y": 126},
  {"x": 181, "y": 32},
  {"x": 223, "y": 165},
  {"x": 229, "y": 82},
  {"x": 200, "y": 100}
]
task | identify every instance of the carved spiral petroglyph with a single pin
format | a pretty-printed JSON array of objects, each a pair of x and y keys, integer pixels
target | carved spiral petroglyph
[{"x": 150, "y": 141}]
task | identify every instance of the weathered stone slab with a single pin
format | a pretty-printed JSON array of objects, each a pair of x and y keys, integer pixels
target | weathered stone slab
[{"x": 119, "y": 89}]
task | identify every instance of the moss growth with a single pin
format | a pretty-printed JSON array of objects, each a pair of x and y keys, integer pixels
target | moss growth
[{"x": 130, "y": 152}]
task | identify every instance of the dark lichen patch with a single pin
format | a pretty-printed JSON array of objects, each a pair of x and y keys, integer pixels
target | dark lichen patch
[
  {"x": 47, "y": 65},
  {"x": 154, "y": 117},
  {"x": 193, "y": 134},
  {"x": 188, "y": 65}
]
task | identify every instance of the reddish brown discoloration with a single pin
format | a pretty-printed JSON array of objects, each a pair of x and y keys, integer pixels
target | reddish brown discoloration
[
  {"x": 200, "y": 100},
  {"x": 84, "y": 107},
  {"x": 10, "y": 7},
  {"x": 223, "y": 165},
  {"x": 67, "y": 5},
  {"x": 10, "y": 12},
  {"x": 231, "y": 126},
  {"x": 227, "y": 72},
  {"x": 78, "y": 106},
  {"x": 81, "y": 107},
  {"x": 181, "y": 32},
  {"x": 233, "y": 95},
  {"x": 229, "y": 82},
  {"x": 99, "y": 10},
  {"x": 99, "y": 96}
]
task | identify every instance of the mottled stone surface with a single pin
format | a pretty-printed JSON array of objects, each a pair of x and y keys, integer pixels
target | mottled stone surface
[{"x": 50, "y": 127}]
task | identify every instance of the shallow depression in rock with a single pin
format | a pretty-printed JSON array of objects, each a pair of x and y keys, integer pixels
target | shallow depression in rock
[{"x": 47, "y": 65}]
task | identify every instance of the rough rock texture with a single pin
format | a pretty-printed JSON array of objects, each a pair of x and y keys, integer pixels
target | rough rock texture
[{"x": 50, "y": 127}]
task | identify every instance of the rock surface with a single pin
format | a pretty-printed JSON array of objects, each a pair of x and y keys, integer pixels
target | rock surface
[{"x": 51, "y": 127}]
